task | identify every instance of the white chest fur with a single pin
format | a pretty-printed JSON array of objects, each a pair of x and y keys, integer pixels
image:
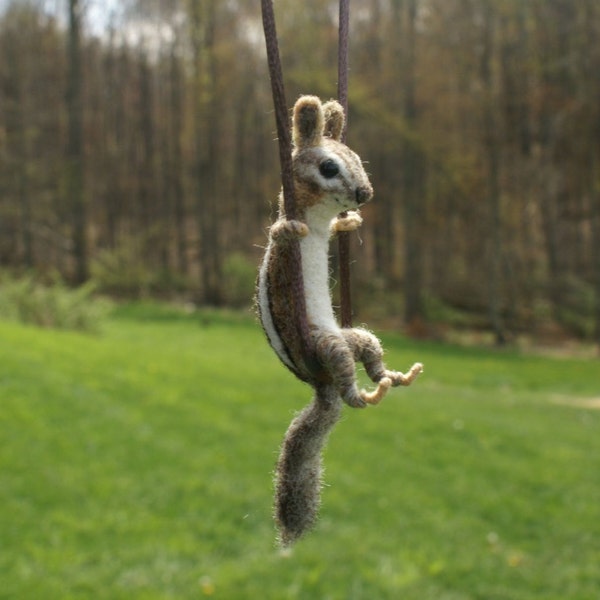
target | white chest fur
[{"x": 314, "y": 249}]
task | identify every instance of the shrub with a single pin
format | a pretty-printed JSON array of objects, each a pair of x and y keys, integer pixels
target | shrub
[
  {"x": 125, "y": 271},
  {"x": 56, "y": 305},
  {"x": 239, "y": 275},
  {"x": 121, "y": 271}
]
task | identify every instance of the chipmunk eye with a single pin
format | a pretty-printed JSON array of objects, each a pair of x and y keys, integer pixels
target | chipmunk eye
[{"x": 329, "y": 168}]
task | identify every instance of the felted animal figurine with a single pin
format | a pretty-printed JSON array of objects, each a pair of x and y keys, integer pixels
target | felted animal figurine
[{"x": 329, "y": 178}]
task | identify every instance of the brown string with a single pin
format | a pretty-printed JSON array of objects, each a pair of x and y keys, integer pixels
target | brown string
[
  {"x": 344, "y": 236},
  {"x": 287, "y": 176},
  {"x": 344, "y": 24}
]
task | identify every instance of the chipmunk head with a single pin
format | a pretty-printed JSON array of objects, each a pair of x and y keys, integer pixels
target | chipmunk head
[{"x": 326, "y": 172}]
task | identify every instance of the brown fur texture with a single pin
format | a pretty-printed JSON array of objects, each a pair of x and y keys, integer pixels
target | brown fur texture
[
  {"x": 299, "y": 471},
  {"x": 329, "y": 178}
]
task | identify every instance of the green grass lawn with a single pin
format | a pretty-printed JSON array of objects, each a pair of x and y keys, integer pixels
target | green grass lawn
[{"x": 138, "y": 464}]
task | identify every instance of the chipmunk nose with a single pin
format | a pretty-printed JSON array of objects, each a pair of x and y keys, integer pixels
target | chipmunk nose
[{"x": 363, "y": 194}]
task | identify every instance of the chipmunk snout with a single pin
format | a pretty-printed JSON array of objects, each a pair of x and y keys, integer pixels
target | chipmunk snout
[{"x": 363, "y": 194}]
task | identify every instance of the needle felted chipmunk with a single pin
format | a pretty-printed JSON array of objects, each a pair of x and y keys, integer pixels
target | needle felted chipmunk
[{"x": 328, "y": 179}]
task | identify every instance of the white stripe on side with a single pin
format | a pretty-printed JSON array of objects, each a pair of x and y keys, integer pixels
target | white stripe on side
[{"x": 265, "y": 313}]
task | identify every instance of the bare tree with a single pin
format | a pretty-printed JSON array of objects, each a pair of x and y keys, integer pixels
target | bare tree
[
  {"x": 413, "y": 172},
  {"x": 491, "y": 129},
  {"x": 203, "y": 23},
  {"x": 75, "y": 187},
  {"x": 17, "y": 180}
]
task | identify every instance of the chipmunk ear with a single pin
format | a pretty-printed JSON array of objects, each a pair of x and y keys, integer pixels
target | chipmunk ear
[
  {"x": 308, "y": 122},
  {"x": 334, "y": 119}
]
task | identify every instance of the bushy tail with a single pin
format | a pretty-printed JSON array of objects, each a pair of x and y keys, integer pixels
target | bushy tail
[{"x": 298, "y": 473}]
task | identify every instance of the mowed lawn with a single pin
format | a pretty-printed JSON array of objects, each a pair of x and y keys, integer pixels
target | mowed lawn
[{"x": 138, "y": 464}]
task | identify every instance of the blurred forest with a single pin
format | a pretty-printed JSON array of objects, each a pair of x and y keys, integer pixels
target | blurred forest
[{"x": 139, "y": 151}]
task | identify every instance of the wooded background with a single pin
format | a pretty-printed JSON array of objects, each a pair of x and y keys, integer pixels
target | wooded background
[{"x": 138, "y": 149}]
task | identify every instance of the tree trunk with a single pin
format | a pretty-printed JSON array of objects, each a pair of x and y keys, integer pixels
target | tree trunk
[
  {"x": 15, "y": 104},
  {"x": 75, "y": 190},
  {"x": 591, "y": 14},
  {"x": 492, "y": 148},
  {"x": 206, "y": 103},
  {"x": 595, "y": 217},
  {"x": 148, "y": 209},
  {"x": 175, "y": 174},
  {"x": 413, "y": 176}
]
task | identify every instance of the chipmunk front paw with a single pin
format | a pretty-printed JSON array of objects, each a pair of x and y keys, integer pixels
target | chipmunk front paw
[
  {"x": 289, "y": 229},
  {"x": 350, "y": 222}
]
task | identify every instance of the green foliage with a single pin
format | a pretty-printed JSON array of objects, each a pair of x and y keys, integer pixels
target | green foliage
[
  {"x": 138, "y": 464},
  {"x": 577, "y": 309},
  {"x": 438, "y": 311},
  {"x": 124, "y": 271},
  {"x": 55, "y": 305},
  {"x": 374, "y": 298},
  {"x": 239, "y": 274}
]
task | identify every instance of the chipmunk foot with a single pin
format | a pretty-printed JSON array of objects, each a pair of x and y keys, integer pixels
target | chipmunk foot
[
  {"x": 377, "y": 395},
  {"x": 398, "y": 378}
]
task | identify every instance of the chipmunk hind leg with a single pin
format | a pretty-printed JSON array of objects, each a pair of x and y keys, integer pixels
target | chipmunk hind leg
[
  {"x": 337, "y": 357},
  {"x": 367, "y": 349},
  {"x": 339, "y": 350}
]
